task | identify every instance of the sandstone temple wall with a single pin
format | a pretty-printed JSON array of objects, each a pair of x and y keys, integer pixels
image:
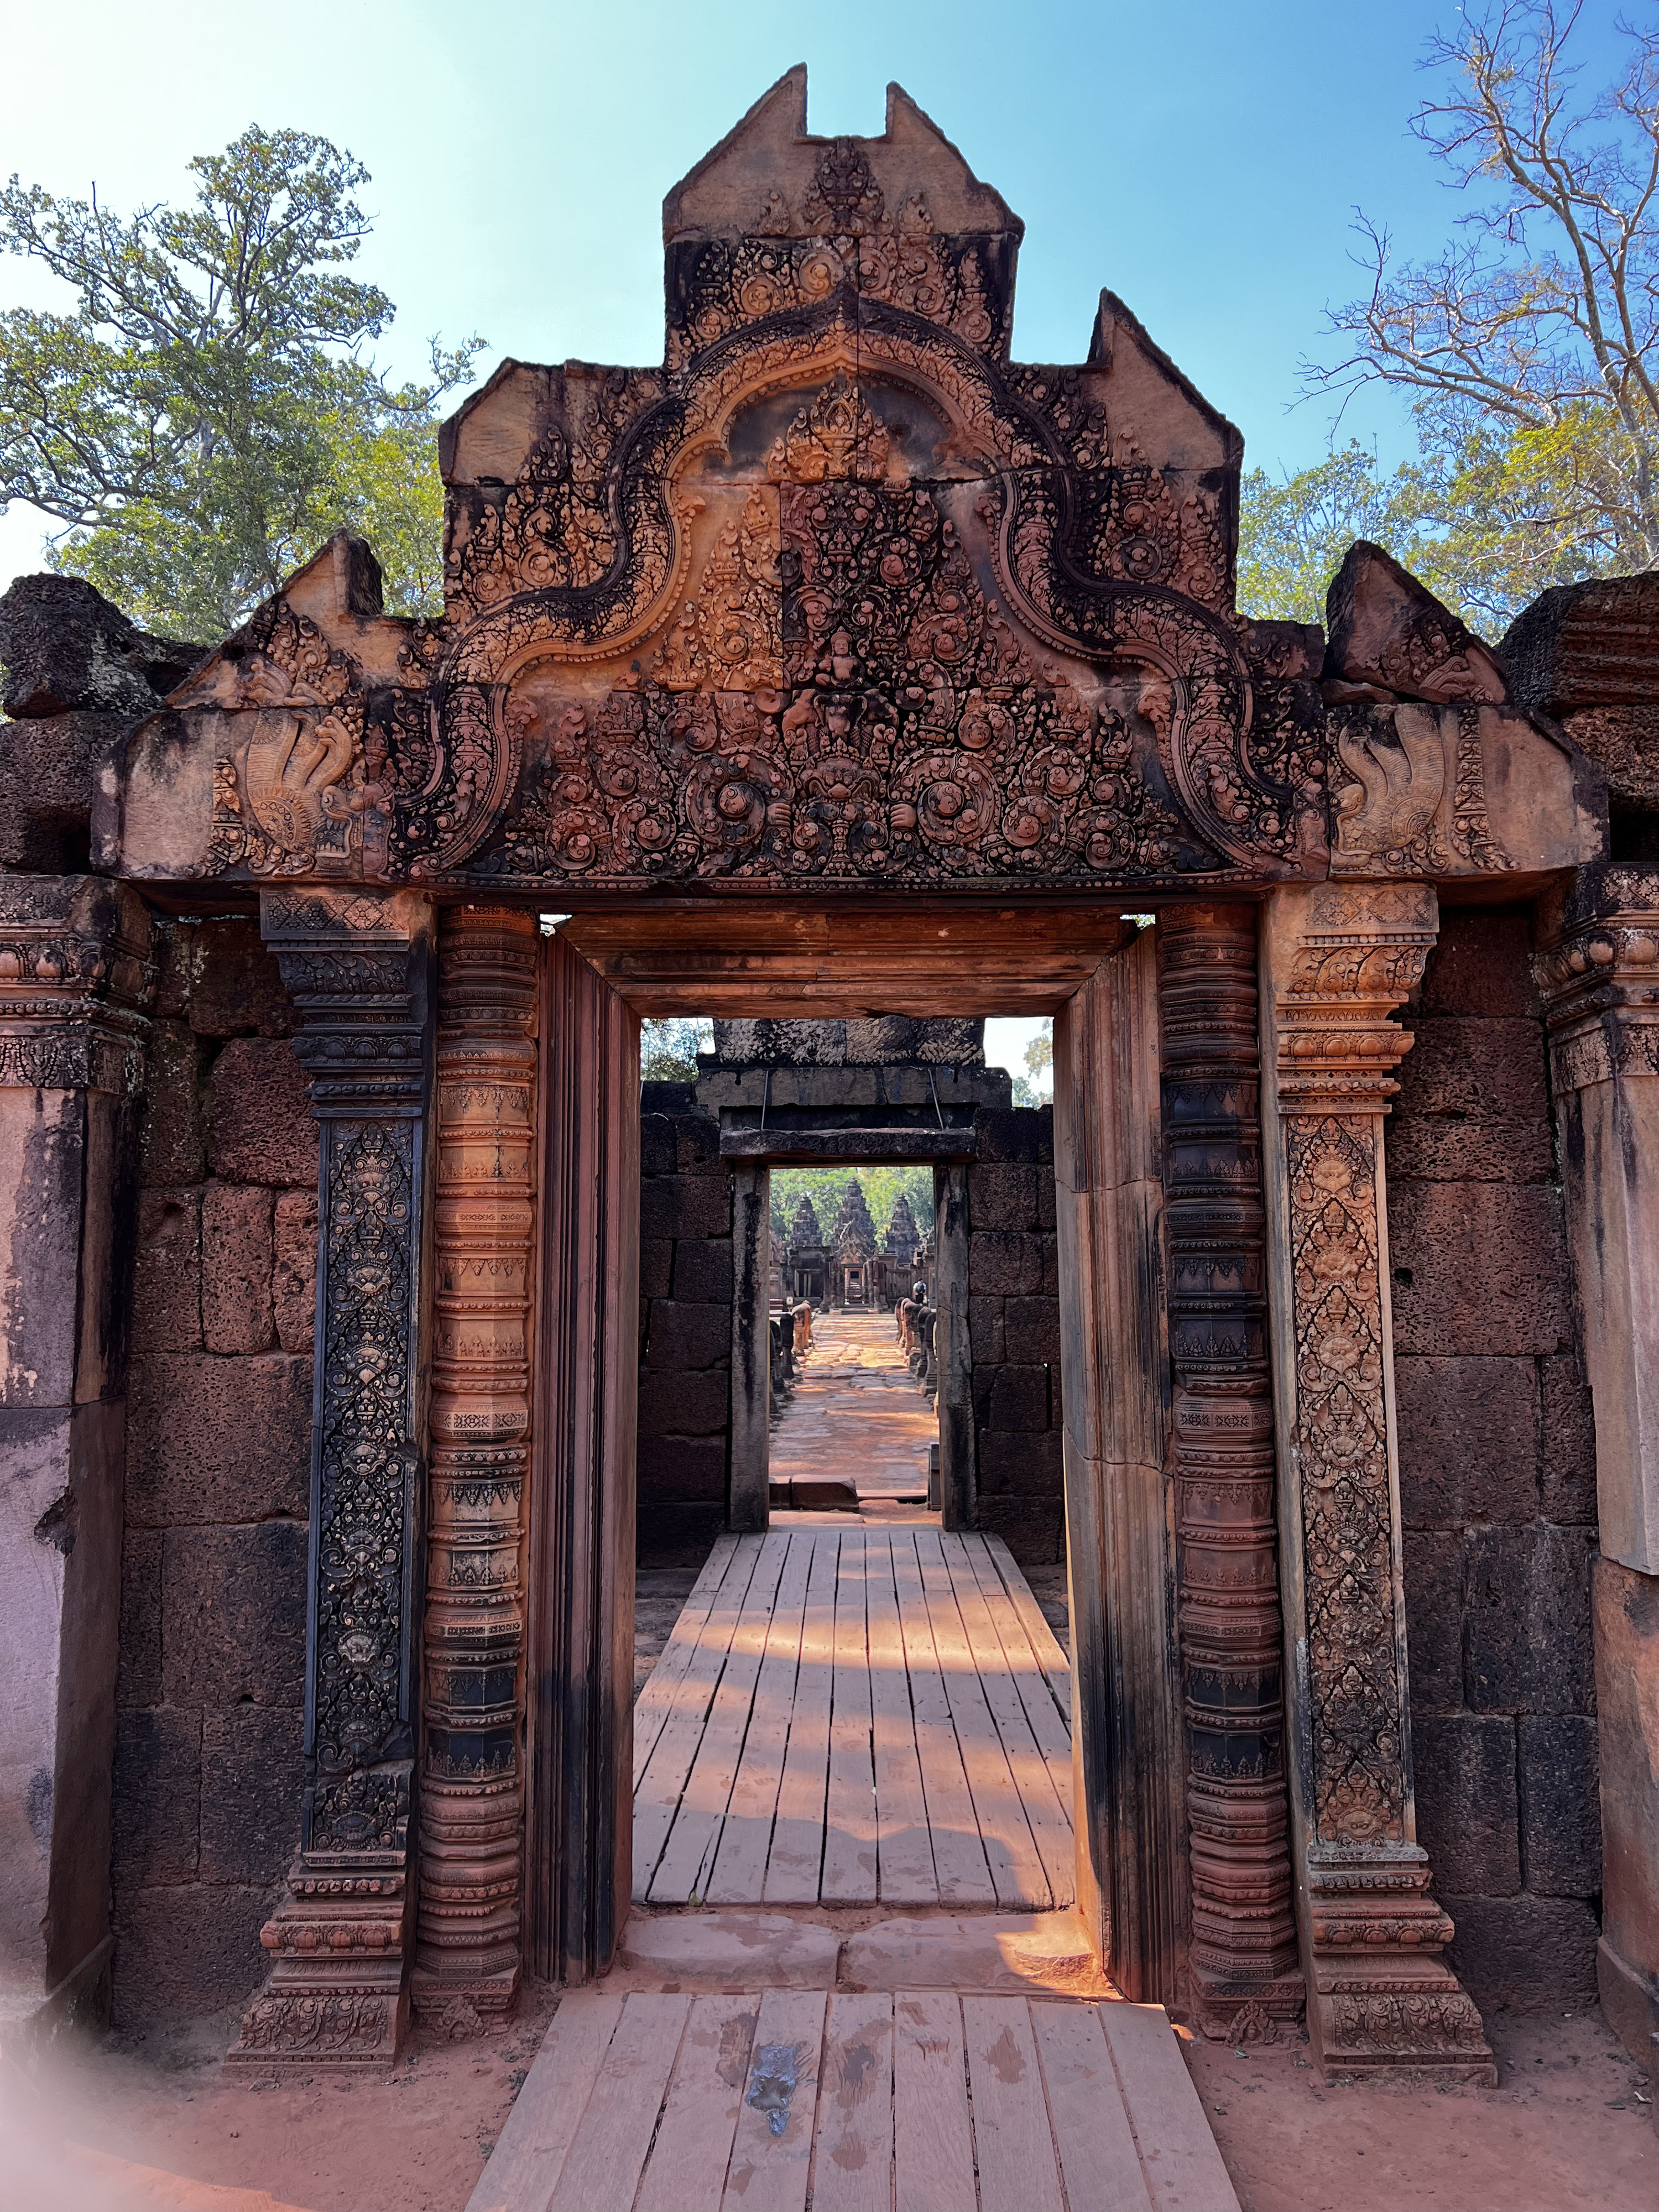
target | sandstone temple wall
[
  {"x": 208, "y": 1767},
  {"x": 1013, "y": 1325},
  {"x": 1497, "y": 1476}
]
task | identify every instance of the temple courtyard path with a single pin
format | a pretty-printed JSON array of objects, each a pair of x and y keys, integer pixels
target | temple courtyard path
[
  {"x": 857, "y": 1413},
  {"x": 853, "y": 1715}
]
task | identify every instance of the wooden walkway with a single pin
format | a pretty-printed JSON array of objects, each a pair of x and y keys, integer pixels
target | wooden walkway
[
  {"x": 854, "y": 1715},
  {"x": 924, "y": 2101}
]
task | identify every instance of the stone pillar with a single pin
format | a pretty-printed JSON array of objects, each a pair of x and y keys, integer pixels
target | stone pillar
[
  {"x": 1246, "y": 1974},
  {"x": 471, "y": 1795},
  {"x": 1338, "y": 960},
  {"x": 1600, "y": 975},
  {"x": 358, "y": 965},
  {"x": 74, "y": 976},
  {"x": 751, "y": 1361}
]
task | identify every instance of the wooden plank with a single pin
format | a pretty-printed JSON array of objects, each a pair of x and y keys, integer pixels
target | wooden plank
[
  {"x": 904, "y": 1847},
  {"x": 1048, "y": 1805},
  {"x": 1051, "y": 1655},
  {"x": 739, "y": 1874},
  {"x": 1010, "y": 1853},
  {"x": 657, "y": 1799},
  {"x": 524, "y": 2168},
  {"x": 687, "y": 2168},
  {"x": 1184, "y": 2167},
  {"x": 772, "y": 2149},
  {"x": 1016, "y": 2151},
  {"x": 959, "y": 1861},
  {"x": 1047, "y": 1722},
  {"x": 613, "y": 2140},
  {"x": 853, "y": 2163},
  {"x": 689, "y": 1855},
  {"x": 849, "y": 1875},
  {"x": 655, "y": 1702},
  {"x": 797, "y": 1854},
  {"x": 1098, "y": 2161},
  {"x": 932, "y": 2133}
]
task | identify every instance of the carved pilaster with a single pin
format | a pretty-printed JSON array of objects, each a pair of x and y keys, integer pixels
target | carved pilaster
[
  {"x": 471, "y": 1828},
  {"x": 1341, "y": 960},
  {"x": 358, "y": 965},
  {"x": 75, "y": 975},
  {"x": 1246, "y": 1973}
]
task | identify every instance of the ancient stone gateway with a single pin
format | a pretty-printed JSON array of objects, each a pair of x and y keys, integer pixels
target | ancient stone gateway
[{"x": 842, "y": 666}]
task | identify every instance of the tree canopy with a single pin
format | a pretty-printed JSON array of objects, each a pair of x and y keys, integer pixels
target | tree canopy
[{"x": 208, "y": 413}]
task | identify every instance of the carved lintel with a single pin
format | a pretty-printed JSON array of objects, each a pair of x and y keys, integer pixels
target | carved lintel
[
  {"x": 1340, "y": 959},
  {"x": 1599, "y": 973},
  {"x": 358, "y": 966},
  {"x": 1246, "y": 1974},
  {"x": 75, "y": 975},
  {"x": 467, "y": 1950}
]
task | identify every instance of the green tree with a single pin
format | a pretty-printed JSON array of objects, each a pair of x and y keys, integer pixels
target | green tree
[
  {"x": 669, "y": 1048},
  {"x": 826, "y": 1187},
  {"x": 208, "y": 413},
  {"x": 1294, "y": 531}
]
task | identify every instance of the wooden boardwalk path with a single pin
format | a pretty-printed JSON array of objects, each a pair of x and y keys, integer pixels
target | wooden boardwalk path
[
  {"x": 921, "y": 2101},
  {"x": 854, "y": 1715}
]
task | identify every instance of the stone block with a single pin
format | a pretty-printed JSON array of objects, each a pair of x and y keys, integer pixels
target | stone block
[
  {"x": 1018, "y": 1401},
  {"x": 1002, "y": 1196},
  {"x": 1474, "y": 1069},
  {"x": 657, "y": 1146},
  {"x": 172, "y": 1130},
  {"x": 259, "y": 1125},
  {"x": 682, "y": 1469},
  {"x": 697, "y": 1144},
  {"x": 1479, "y": 1269},
  {"x": 677, "y": 1535},
  {"x": 681, "y": 1335},
  {"x": 1011, "y": 1465},
  {"x": 174, "y": 950},
  {"x": 1033, "y": 1528},
  {"x": 157, "y": 1797},
  {"x": 233, "y": 1615},
  {"x": 985, "y": 1332},
  {"x": 236, "y": 1268},
  {"x": 1468, "y": 1441},
  {"x": 1528, "y": 1621},
  {"x": 1481, "y": 964},
  {"x": 238, "y": 989},
  {"x": 1626, "y": 741},
  {"x": 1008, "y": 1952},
  {"x": 702, "y": 1271},
  {"x": 1468, "y": 1813},
  {"x": 1006, "y": 1264},
  {"x": 217, "y": 1440},
  {"x": 692, "y": 1405},
  {"x": 139, "y": 1680},
  {"x": 1431, "y": 1148},
  {"x": 294, "y": 1270},
  {"x": 49, "y": 771},
  {"x": 181, "y": 1953},
  {"x": 64, "y": 648},
  {"x": 1048, "y": 1199},
  {"x": 252, "y": 1776},
  {"x": 1525, "y": 1954},
  {"x": 731, "y": 1950},
  {"x": 1435, "y": 1569},
  {"x": 1560, "y": 1805},
  {"x": 685, "y": 1206},
  {"x": 1031, "y": 1331},
  {"x": 166, "y": 1279},
  {"x": 1015, "y": 1134},
  {"x": 656, "y": 1267},
  {"x": 1569, "y": 1445}
]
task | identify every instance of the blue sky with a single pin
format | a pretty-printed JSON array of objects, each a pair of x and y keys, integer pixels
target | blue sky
[{"x": 1202, "y": 159}]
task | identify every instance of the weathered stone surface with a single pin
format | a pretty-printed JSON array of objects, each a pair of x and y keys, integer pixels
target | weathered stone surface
[
  {"x": 680, "y": 1335},
  {"x": 1385, "y": 629},
  {"x": 217, "y": 1440},
  {"x": 1560, "y": 1805},
  {"x": 879, "y": 1041},
  {"x": 1011, "y": 1465},
  {"x": 1482, "y": 964},
  {"x": 1006, "y": 1952},
  {"x": 1569, "y": 1442},
  {"x": 1001, "y": 1264},
  {"x": 685, "y": 1206},
  {"x": 139, "y": 1681},
  {"x": 233, "y": 1615},
  {"x": 239, "y": 989},
  {"x": 1529, "y": 1621},
  {"x": 236, "y": 1268},
  {"x": 1524, "y": 1953},
  {"x": 740, "y": 1950},
  {"x": 1478, "y": 1269},
  {"x": 656, "y": 1269},
  {"x": 684, "y": 1405},
  {"x": 294, "y": 1271},
  {"x": 1017, "y": 1399},
  {"x": 48, "y": 772},
  {"x": 1588, "y": 654},
  {"x": 252, "y": 1774},
  {"x": 167, "y": 1302},
  {"x": 1468, "y": 1441},
  {"x": 1436, "y": 1579},
  {"x": 1467, "y": 1809},
  {"x": 1031, "y": 1332},
  {"x": 186, "y": 1951},
  {"x": 1627, "y": 1716},
  {"x": 64, "y": 648},
  {"x": 175, "y": 951},
  {"x": 158, "y": 1790},
  {"x": 1002, "y": 1197},
  {"x": 1014, "y": 1133},
  {"x": 702, "y": 1271},
  {"x": 1472, "y": 1104},
  {"x": 1034, "y": 1530},
  {"x": 986, "y": 1331},
  {"x": 672, "y": 1535},
  {"x": 172, "y": 1132},
  {"x": 657, "y": 1144},
  {"x": 682, "y": 1468},
  {"x": 259, "y": 1125}
]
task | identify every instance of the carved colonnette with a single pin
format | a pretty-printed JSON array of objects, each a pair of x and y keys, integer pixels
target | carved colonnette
[
  {"x": 471, "y": 1793},
  {"x": 1245, "y": 1971},
  {"x": 1338, "y": 959},
  {"x": 358, "y": 966}
]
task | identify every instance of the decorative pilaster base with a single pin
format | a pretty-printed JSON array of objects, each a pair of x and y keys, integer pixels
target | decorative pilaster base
[
  {"x": 336, "y": 1997},
  {"x": 1381, "y": 1999}
]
